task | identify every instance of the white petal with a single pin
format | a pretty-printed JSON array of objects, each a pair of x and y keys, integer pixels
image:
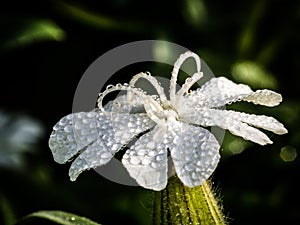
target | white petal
[
  {"x": 249, "y": 133},
  {"x": 146, "y": 161},
  {"x": 260, "y": 121},
  {"x": 218, "y": 92},
  {"x": 72, "y": 133},
  {"x": 122, "y": 104},
  {"x": 114, "y": 132},
  {"x": 195, "y": 155},
  {"x": 79, "y": 130},
  {"x": 235, "y": 124},
  {"x": 97, "y": 154},
  {"x": 264, "y": 97},
  {"x": 126, "y": 126}
]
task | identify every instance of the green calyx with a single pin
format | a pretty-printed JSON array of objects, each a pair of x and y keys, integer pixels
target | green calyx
[{"x": 178, "y": 204}]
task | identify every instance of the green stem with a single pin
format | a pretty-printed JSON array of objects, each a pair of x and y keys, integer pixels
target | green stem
[{"x": 178, "y": 204}]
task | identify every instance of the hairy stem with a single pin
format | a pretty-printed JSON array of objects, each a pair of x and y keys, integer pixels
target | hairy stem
[{"x": 178, "y": 204}]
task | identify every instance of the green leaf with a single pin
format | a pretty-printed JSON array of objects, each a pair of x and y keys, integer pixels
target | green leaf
[
  {"x": 6, "y": 211},
  {"x": 253, "y": 74},
  {"x": 36, "y": 30},
  {"x": 56, "y": 217}
]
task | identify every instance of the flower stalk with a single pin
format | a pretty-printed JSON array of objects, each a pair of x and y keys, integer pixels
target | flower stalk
[{"x": 178, "y": 204}]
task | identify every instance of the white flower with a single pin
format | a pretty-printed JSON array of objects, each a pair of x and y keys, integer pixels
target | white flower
[{"x": 171, "y": 126}]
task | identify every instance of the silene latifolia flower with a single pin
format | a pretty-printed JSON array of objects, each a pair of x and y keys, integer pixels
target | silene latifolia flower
[{"x": 164, "y": 126}]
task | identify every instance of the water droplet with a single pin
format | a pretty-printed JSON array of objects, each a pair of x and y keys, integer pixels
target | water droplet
[
  {"x": 177, "y": 140},
  {"x": 152, "y": 153},
  {"x": 68, "y": 129},
  {"x": 151, "y": 145},
  {"x": 159, "y": 157},
  {"x": 57, "y": 127},
  {"x": 115, "y": 147},
  {"x": 188, "y": 80},
  {"x": 106, "y": 155},
  {"x": 110, "y": 86},
  {"x": 118, "y": 86},
  {"x": 194, "y": 176},
  {"x": 146, "y": 162},
  {"x": 134, "y": 161},
  {"x": 70, "y": 138},
  {"x": 189, "y": 167},
  {"x": 154, "y": 165},
  {"x": 63, "y": 121}
]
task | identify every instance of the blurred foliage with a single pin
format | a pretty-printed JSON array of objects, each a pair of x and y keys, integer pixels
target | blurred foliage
[
  {"x": 18, "y": 135},
  {"x": 45, "y": 48},
  {"x": 55, "y": 217},
  {"x": 35, "y": 30}
]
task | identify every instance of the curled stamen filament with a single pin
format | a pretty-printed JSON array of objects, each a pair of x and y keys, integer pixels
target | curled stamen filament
[
  {"x": 189, "y": 82},
  {"x": 145, "y": 98},
  {"x": 152, "y": 81},
  {"x": 177, "y": 65}
]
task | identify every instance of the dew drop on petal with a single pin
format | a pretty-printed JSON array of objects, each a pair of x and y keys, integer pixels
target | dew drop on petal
[
  {"x": 109, "y": 86},
  {"x": 68, "y": 129},
  {"x": 134, "y": 161},
  {"x": 146, "y": 162},
  {"x": 105, "y": 155}
]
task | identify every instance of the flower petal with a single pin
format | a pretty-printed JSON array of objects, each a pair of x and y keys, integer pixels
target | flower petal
[
  {"x": 72, "y": 133},
  {"x": 218, "y": 92},
  {"x": 264, "y": 97},
  {"x": 261, "y": 121},
  {"x": 76, "y": 131},
  {"x": 122, "y": 104},
  {"x": 236, "y": 123},
  {"x": 97, "y": 154},
  {"x": 195, "y": 155},
  {"x": 146, "y": 160}
]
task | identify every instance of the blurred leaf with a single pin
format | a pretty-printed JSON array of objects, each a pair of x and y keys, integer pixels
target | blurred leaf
[
  {"x": 6, "y": 211},
  {"x": 249, "y": 31},
  {"x": 36, "y": 31},
  {"x": 58, "y": 217},
  {"x": 18, "y": 134},
  {"x": 97, "y": 20},
  {"x": 253, "y": 74},
  {"x": 195, "y": 12}
]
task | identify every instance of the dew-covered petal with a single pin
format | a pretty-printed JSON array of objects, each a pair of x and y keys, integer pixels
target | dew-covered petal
[
  {"x": 261, "y": 121},
  {"x": 220, "y": 91},
  {"x": 249, "y": 133},
  {"x": 195, "y": 154},
  {"x": 122, "y": 104},
  {"x": 72, "y": 133},
  {"x": 127, "y": 126},
  {"x": 76, "y": 131},
  {"x": 146, "y": 160},
  {"x": 237, "y": 123},
  {"x": 217, "y": 92},
  {"x": 264, "y": 97},
  {"x": 97, "y": 154}
]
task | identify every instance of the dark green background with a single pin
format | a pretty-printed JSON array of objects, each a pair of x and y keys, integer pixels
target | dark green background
[{"x": 41, "y": 69}]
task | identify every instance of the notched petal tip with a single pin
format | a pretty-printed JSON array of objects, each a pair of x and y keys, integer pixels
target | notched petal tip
[
  {"x": 264, "y": 97},
  {"x": 282, "y": 130},
  {"x": 73, "y": 178}
]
